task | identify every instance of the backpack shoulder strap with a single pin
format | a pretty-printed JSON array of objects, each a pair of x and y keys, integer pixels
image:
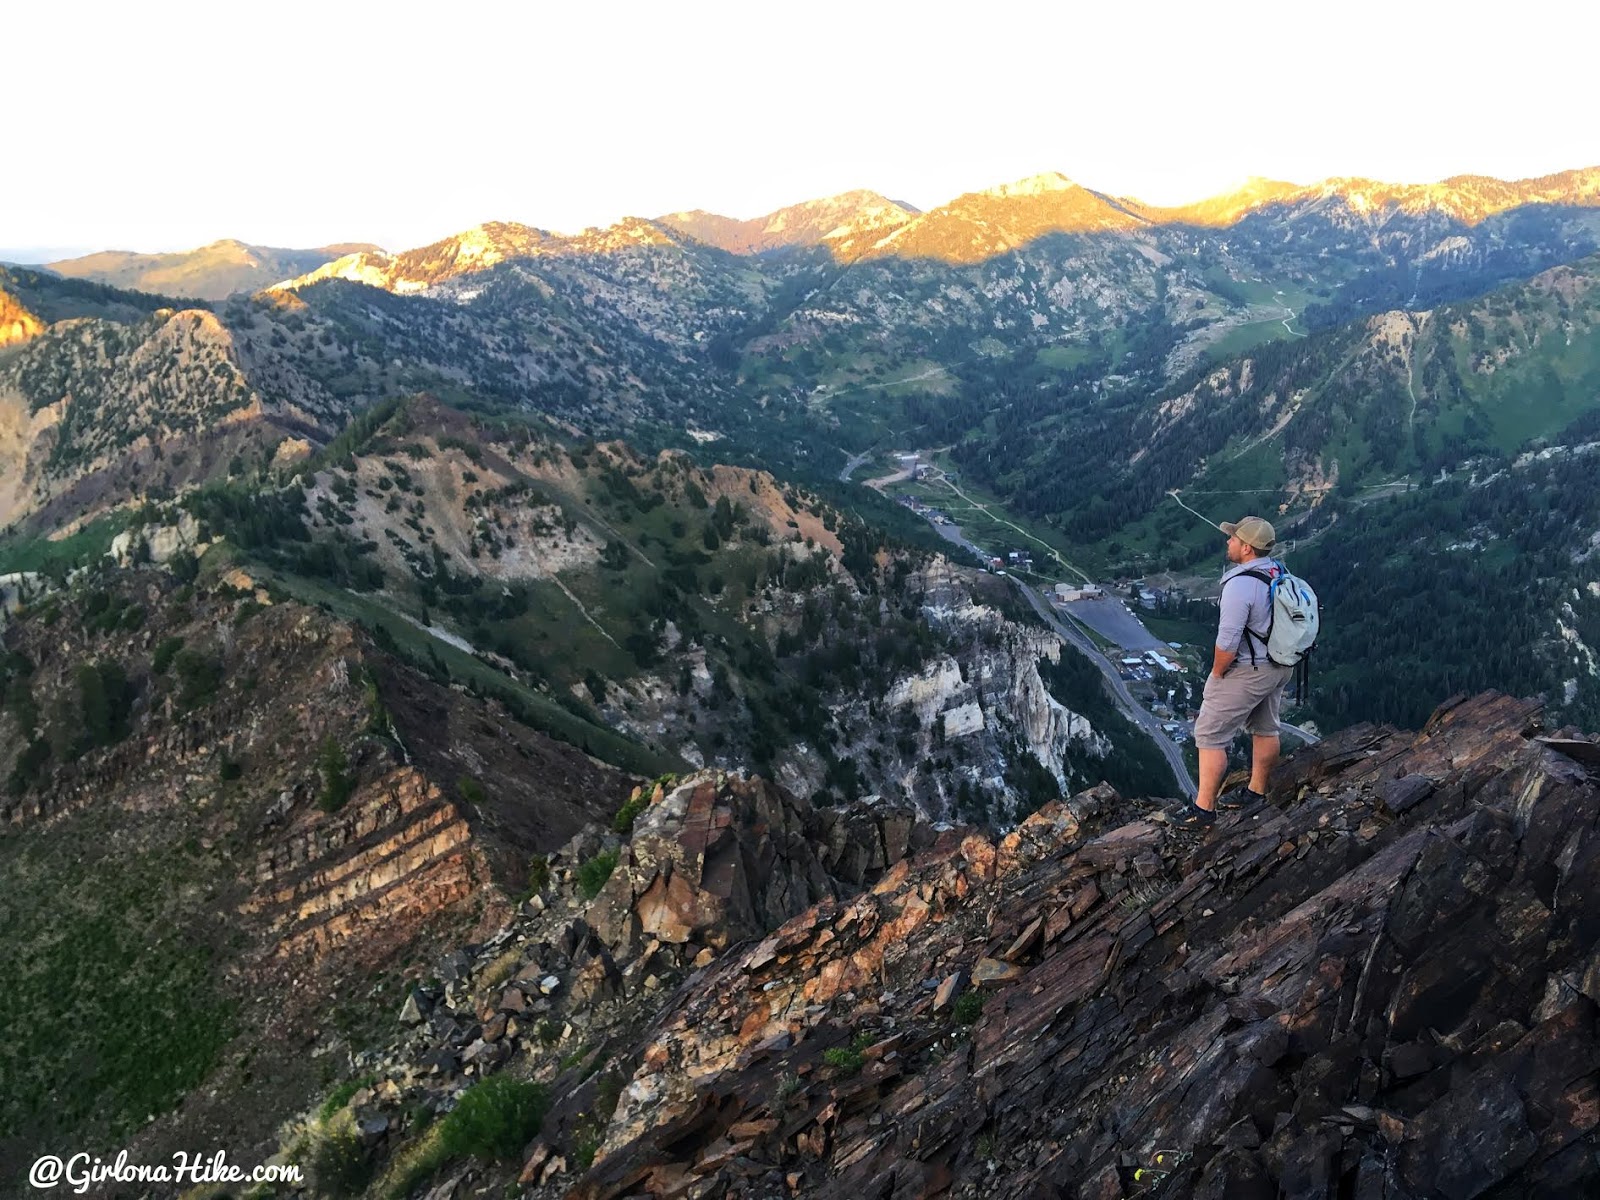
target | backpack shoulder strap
[
  {"x": 1271, "y": 580},
  {"x": 1263, "y": 576}
]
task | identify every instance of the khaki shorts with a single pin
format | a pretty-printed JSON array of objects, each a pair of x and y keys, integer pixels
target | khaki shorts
[{"x": 1245, "y": 698}]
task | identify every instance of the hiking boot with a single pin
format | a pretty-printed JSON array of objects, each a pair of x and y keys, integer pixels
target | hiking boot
[
  {"x": 1192, "y": 816},
  {"x": 1240, "y": 798}
]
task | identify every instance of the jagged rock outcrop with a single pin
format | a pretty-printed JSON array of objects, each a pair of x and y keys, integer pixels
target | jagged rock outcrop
[
  {"x": 720, "y": 859},
  {"x": 968, "y": 714},
  {"x": 1002, "y": 673},
  {"x": 159, "y": 543},
  {"x": 1383, "y": 983}
]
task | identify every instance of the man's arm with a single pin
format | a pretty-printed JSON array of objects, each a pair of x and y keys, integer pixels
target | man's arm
[
  {"x": 1221, "y": 660},
  {"x": 1234, "y": 608}
]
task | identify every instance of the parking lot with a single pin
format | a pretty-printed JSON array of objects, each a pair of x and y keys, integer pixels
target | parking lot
[{"x": 1110, "y": 618}]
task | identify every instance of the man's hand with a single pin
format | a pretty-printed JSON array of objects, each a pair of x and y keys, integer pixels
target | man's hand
[{"x": 1221, "y": 660}]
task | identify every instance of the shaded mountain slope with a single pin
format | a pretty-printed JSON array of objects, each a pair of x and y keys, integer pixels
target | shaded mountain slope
[
  {"x": 1396, "y": 394},
  {"x": 52, "y": 298},
  {"x": 100, "y": 412},
  {"x": 260, "y": 818}
]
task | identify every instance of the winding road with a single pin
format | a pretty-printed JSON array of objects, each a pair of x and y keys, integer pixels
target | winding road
[{"x": 1293, "y": 332}]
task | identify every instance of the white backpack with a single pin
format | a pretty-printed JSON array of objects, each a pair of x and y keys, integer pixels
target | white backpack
[{"x": 1294, "y": 620}]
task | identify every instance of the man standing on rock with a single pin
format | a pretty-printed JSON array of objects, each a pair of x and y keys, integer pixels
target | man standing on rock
[{"x": 1245, "y": 687}]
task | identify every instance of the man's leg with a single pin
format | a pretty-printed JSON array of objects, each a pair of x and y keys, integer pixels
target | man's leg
[
  {"x": 1263, "y": 727},
  {"x": 1263, "y": 755},
  {"x": 1213, "y": 766},
  {"x": 1223, "y": 708}
]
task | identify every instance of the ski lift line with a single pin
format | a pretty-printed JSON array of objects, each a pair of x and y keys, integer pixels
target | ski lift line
[{"x": 1174, "y": 494}]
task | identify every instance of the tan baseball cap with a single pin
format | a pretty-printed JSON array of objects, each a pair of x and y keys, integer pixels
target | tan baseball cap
[{"x": 1252, "y": 531}]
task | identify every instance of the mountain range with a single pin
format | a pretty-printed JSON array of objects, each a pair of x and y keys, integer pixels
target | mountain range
[
  {"x": 207, "y": 273},
  {"x": 972, "y": 227}
]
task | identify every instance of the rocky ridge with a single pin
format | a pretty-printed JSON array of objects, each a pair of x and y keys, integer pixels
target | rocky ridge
[
  {"x": 644, "y": 325},
  {"x": 1383, "y": 983},
  {"x": 1019, "y": 267},
  {"x": 845, "y": 223},
  {"x": 94, "y": 412},
  {"x": 559, "y": 991}
]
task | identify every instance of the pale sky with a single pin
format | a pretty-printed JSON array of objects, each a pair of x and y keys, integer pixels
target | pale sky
[{"x": 166, "y": 126}]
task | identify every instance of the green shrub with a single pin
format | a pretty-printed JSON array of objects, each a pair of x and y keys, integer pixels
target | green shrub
[
  {"x": 844, "y": 1059},
  {"x": 338, "y": 1164},
  {"x": 184, "y": 566},
  {"x": 199, "y": 675},
  {"x": 166, "y": 650},
  {"x": 29, "y": 766},
  {"x": 586, "y": 1144},
  {"x": 968, "y": 1008},
  {"x": 378, "y": 722},
  {"x": 788, "y": 1086},
  {"x": 494, "y": 1119},
  {"x": 470, "y": 791},
  {"x": 340, "y": 1096},
  {"x": 104, "y": 700},
  {"x": 538, "y": 874},
  {"x": 334, "y": 769},
  {"x": 629, "y": 813},
  {"x": 419, "y": 1117},
  {"x": 16, "y": 692},
  {"x": 593, "y": 874}
]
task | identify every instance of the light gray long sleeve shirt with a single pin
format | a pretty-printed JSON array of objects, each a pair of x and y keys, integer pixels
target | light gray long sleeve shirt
[{"x": 1246, "y": 603}]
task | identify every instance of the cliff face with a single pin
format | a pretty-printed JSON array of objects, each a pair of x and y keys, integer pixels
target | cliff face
[
  {"x": 1382, "y": 983},
  {"x": 974, "y": 719},
  {"x": 1000, "y": 675}
]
